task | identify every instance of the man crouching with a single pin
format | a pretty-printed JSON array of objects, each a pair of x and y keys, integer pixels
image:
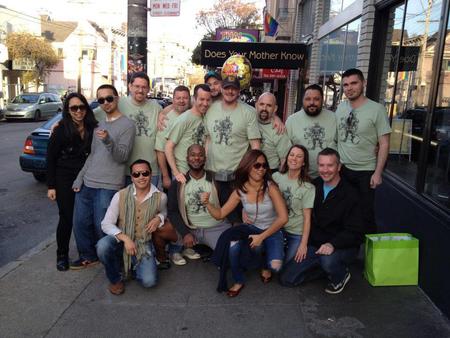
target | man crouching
[{"x": 134, "y": 214}]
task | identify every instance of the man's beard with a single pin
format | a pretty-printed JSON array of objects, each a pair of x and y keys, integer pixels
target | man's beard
[
  {"x": 200, "y": 167},
  {"x": 267, "y": 119},
  {"x": 315, "y": 113}
]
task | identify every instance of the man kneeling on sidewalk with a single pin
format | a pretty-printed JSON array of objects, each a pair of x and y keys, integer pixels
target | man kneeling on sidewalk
[
  {"x": 336, "y": 229},
  {"x": 135, "y": 213}
]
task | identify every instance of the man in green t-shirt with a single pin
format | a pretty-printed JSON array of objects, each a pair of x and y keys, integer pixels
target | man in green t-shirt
[
  {"x": 312, "y": 127},
  {"x": 186, "y": 212},
  {"x": 144, "y": 113},
  {"x": 181, "y": 101},
  {"x": 362, "y": 126},
  {"x": 232, "y": 128},
  {"x": 187, "y": 129},
  {"x": 273, "y": 144}
]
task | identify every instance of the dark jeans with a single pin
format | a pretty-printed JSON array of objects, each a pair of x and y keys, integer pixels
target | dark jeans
[
  {"x": 334, "y": 265},
  {"x": 65, "y": 198},
  {"x": 360, "y": 180},
  {"x": 90, "y": 208},
  {"x": 225, "y": 190}
]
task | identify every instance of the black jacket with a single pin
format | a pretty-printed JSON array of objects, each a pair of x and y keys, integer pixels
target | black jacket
[
  {"x": 176, "y": 210},
  {"x": 337, "y": 219},
  {"x": 66, "y": 156}
]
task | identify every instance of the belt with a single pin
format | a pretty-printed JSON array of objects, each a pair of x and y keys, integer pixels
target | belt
[{"x": 224, "y": 176}]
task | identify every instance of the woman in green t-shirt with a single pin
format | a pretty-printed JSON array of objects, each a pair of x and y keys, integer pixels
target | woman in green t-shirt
[{"x": 294, "y": 183}]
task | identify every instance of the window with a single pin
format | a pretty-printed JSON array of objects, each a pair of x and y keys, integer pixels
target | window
[
  {"x": 338, "y": 52},
  {"x": 408, "y": 65},
  {"x": 332, "y": 8},
  {"x": 437, "y": 182}
]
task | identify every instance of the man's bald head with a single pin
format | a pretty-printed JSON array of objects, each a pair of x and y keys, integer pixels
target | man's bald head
[{"x": 266, "y": 106}]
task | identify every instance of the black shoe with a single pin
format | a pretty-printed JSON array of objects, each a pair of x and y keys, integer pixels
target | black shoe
[
  {"x": 62, "y": 263},
  {"x": 82, "y": 264},
  {"x": 164, "y": 265},
  {"x": 337, "y": 288}
]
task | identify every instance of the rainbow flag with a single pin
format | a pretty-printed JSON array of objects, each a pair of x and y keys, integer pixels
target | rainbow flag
[{"x": 270, "y": 25}]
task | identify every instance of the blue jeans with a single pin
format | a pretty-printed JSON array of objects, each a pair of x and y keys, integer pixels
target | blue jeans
[
  {"x": 272, "y": 246},
  {"x": 110, "y": 253},
  {"x": 292, "y": 244},
  {"x": 90, "y": 208},
  {"x": 334, "y": 265}
]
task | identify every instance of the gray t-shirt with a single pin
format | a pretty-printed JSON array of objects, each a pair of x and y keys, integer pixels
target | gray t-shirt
[{"x": 105, "y": 166}]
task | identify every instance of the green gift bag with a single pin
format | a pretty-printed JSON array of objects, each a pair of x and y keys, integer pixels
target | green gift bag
[{"x": 391, "y": 259}]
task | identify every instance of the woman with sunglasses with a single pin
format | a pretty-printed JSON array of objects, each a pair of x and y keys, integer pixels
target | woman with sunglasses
[
  {"x": 294, "y": 183},
  {"x": 265, "y": 209},
  {"x": 68, "y": 148}
]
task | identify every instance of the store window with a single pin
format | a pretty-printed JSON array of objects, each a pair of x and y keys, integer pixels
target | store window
[
  {"x": 437, "y": 182},
  {"x": 332, "y": 8},
  {"x": 338, "y": 52},
  {"x": 409, "y": 72}
]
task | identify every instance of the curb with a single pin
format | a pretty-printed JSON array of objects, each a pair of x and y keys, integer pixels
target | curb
[{"x": 11, "y": 266}]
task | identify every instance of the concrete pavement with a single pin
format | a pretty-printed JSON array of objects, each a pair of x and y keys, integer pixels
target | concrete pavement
[{"x": 36, "y": 300}]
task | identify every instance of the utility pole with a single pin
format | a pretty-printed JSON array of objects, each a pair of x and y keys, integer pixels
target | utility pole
[{"x": 137, "y": 36}]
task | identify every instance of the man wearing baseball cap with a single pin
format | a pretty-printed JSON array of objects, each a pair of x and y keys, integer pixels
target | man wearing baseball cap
[
  {"x": 214, "y": 80},
  {"x": 232, "y": 127}
]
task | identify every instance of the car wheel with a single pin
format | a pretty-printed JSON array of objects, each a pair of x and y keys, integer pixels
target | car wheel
[
  {"x": 40, "y": 177},
  {"x": 37, "y": 115}
]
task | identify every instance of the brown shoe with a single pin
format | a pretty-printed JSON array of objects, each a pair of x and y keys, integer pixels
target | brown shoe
[{"x": 117, "y": 289}]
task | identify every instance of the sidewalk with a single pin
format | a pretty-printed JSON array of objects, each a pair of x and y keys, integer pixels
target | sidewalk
[{"x": 38, "y": 301}]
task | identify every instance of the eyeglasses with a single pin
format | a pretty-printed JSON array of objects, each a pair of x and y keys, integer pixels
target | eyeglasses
[
  {"x": 350, "y": 118},
  {"x": 109, "y": 99},
  {"x": 76, "y": 108},
  {"x": 259, "y": 165},
  {"x": 136, "y": 174}
]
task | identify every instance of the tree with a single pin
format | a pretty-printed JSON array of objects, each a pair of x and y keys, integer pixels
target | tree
[
  {"x": 40, "y": 51},
  {"x": 228, "y": 14},
  {"x": 225, "y": 14}
]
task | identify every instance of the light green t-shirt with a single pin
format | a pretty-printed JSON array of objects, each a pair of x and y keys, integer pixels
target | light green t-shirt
[
  {"x": 230, "y": 132},
  {"x": 274, "y": 145},
  {"x": 197, "y": 213},
  {"x": 297, "y": 197},
  {"x": 145, "y": 118},
  {"x": 315, "y": 133},
  {"x": 161, "y": 135},
  {"x": 358, "y": 136},
  {"x": 186, "y": 130}
]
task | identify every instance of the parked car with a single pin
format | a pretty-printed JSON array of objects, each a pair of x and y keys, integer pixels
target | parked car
[
  {"x": 34, "y": 156},
  {"x": 33, "y": 106},
  {"x": 94, "y": 104}
]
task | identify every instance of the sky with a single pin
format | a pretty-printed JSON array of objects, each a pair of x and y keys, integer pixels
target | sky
[{"x": 113, "y": 12}]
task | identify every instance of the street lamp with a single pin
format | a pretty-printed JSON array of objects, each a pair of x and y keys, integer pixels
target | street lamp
[{"x": 137, "y": 36}]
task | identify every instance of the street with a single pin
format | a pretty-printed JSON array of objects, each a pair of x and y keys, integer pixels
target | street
[{"x": 27, "y": 217}]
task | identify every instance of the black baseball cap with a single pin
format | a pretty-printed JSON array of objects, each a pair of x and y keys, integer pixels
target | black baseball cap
[
  {"x": 231, "y": 81},
  {"x": 214, "y": 74}
]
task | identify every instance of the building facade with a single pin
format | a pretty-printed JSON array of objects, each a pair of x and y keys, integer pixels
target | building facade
[{"x": 403, "y": 49}]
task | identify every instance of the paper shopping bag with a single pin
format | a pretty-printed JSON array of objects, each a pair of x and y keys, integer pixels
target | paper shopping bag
[{"x": 391, "y": 259}]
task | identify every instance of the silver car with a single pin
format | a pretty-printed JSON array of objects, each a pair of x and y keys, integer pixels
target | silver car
[{"x": 33, "y": 106}]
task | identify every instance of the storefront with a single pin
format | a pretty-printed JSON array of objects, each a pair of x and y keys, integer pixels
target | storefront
[{"x": 403, "y": 48}]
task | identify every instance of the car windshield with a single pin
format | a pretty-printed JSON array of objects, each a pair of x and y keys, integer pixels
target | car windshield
[{"x": 26, "y": 99}]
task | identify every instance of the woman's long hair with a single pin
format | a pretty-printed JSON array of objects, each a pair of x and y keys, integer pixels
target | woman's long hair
[
  {"x": 245, "y": 166},
  {"x": 304, "y": 171},
  {"x": 89, "y": 121}
]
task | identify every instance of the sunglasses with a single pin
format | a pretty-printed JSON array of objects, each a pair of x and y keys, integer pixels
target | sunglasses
[
  {"x": 109, "y": 99},
  {"x": 259, "y": 165},
  {"x": 350, "y": 118},
  {"x": 76, "y": 108},
  {"x": 136, "y": 174}
]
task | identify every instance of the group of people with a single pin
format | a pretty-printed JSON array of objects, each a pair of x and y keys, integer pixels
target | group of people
[{"x": 291, "y": 200}]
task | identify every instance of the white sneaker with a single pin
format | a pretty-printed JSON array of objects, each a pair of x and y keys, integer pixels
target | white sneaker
[
  {"x": 177, "y": 259},
  {"x": 191, "y": 254}
]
